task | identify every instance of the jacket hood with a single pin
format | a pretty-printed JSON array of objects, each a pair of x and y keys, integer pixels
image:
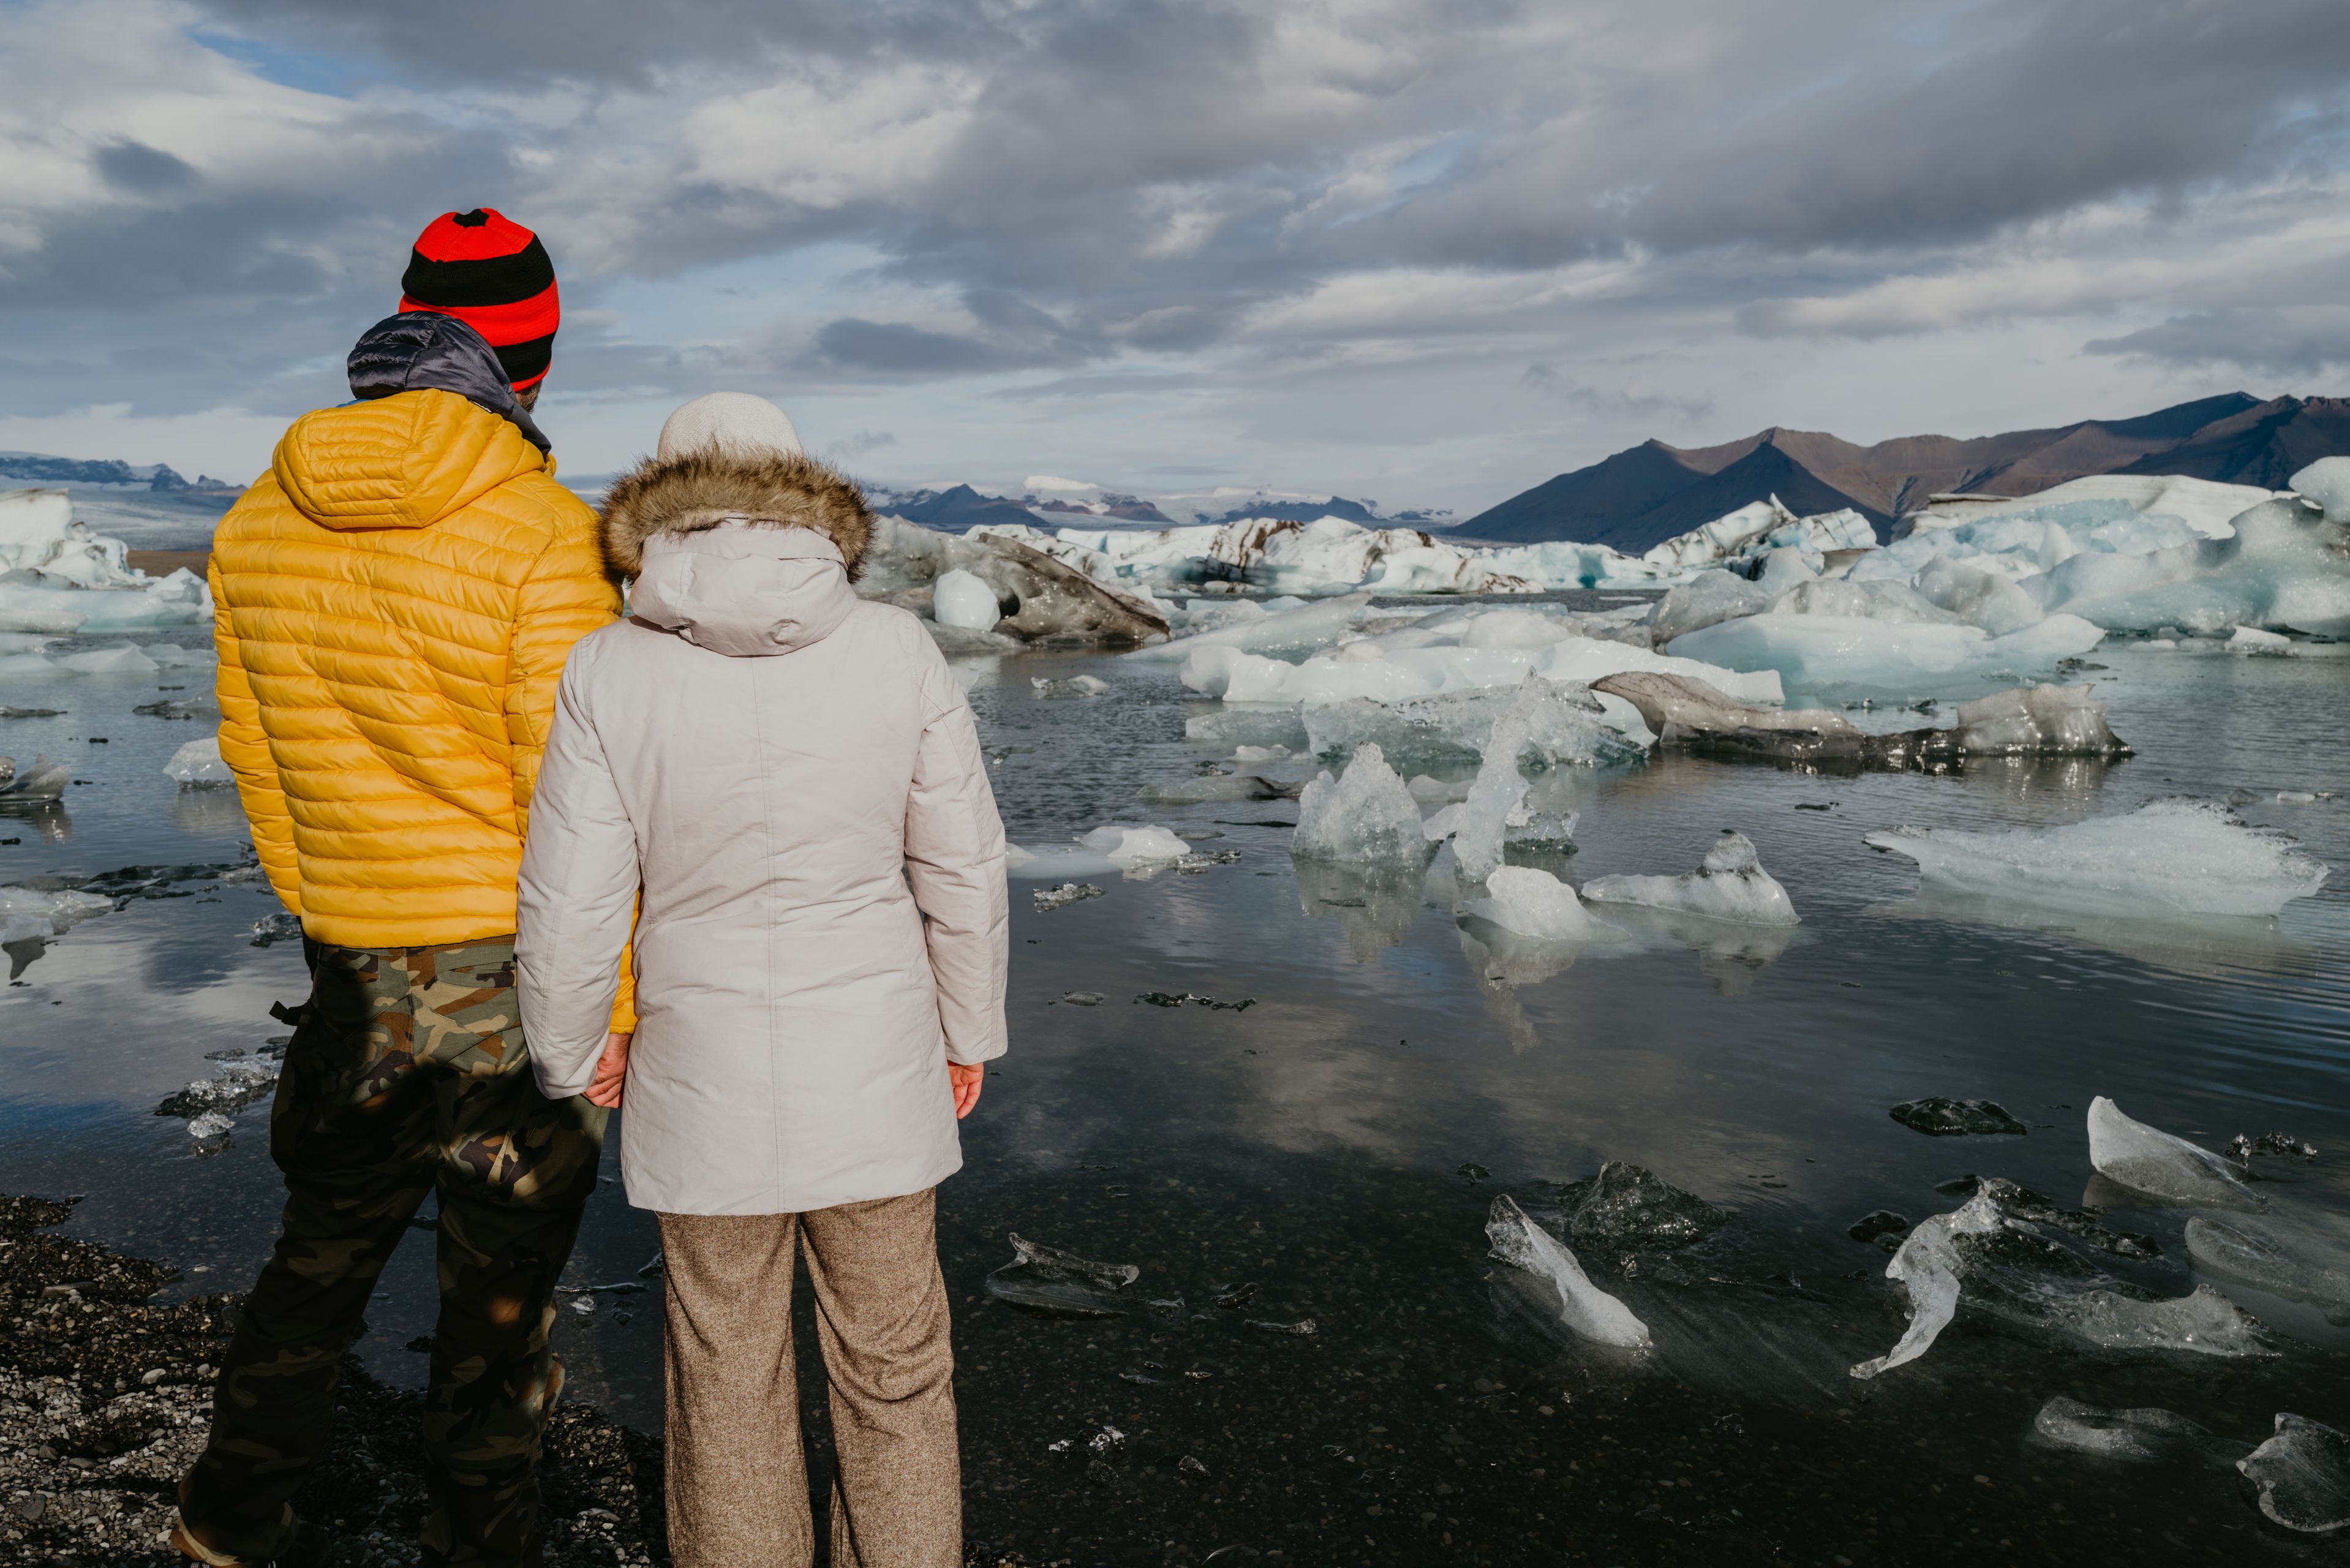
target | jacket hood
[
  {"x": 704, "y": 488},
  {"x": 741, "y": 588},
  {"x": 401, "y": 461},
  {"x": 416, "y": 349}
]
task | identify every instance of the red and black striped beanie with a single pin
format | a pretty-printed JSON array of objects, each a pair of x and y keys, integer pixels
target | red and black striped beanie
[{"x": 492, "y": 274}]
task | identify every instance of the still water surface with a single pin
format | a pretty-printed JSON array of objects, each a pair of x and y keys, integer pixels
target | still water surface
[{"x": 1313, "y": 1143}]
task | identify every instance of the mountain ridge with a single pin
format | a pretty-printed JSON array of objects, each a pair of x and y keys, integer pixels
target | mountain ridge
[{"x": 1637, "y": 498}]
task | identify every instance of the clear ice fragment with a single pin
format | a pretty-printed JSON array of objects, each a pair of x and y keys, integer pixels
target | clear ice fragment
[
  {"x": 1367, "y": 816},
  {"x": 2137, "y": 1437},
  {"x": 1050, "y": 899},
  {"x": 2303, "y": 1475},
  {"x": 1587, "y": 1311},
  {"x": 1062, "y": 1284},
  {"x": 2149, "y": 1160},
  {"x": 1534, "y": 903},
  {"x": 1938, "y": 1117}
]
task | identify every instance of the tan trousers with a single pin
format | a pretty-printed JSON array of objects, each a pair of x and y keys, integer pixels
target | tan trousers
[{"x": 738, "y": 1493}]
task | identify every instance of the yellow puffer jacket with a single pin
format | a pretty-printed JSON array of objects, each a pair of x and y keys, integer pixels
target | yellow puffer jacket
[{"x": 394, "y": 602}]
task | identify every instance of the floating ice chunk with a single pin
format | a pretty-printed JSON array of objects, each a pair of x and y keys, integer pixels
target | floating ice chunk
[
  {"x": 2149, "y": 1160},
  {"x": 2038, "y": 721},
  {"x": 1074, "y": 686},
  {"x": 2303, "y": 1475},
  {"x": 199, "y": 764},
  {"x": 171, "y": 656},
  {"x": 2135, "y": 1436},
  {"x": 1587, "y": 1311},
  {"x": 959, "y": 598},
  {"x": 123, "y": 660},
  {"x": 2252, "y": 640},
  {"x": 2173, "y": 856},
  {"x": 2268, "y": 1257},
  {"x": 211, "y": 1125},
  {"x": 1395, "y": 675},
  {"x": 1128, "y": 847},
  {"x": 236, "y": 1085},
  {"x": 1047, "y": 899},
  {"x": 41, "y": 912},
  {"x": 1534, "y": 903},
  {"x": 1366, "y": 815},
  {"x": 1062, "y": 1284},
  {"x": 45, "y": 780},
  {"x": 1285, "y": 631},
  {"x": 1819, "y": 652},
  {"x": 1444, "y": 822},
  {"x": 1565, "y": 726},
  {"x": 1939, "y": 1117},
  {"x": 1729, "y": 885},
  {"x": 1667, "y": 701},
  {"x": 1260, "y": 753},
  {"x": 1541, "y": 716}
]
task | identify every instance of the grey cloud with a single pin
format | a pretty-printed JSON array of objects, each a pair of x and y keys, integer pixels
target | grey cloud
[
  {"x": 895, "y": 348},
  {"x": 142, "y": 170},
  {"x": 1619, "y": 402},
  {"x": 2289, "y": 343}
]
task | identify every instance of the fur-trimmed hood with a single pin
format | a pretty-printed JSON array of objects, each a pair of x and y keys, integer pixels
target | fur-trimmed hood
[{"x": 709, "y": 486}]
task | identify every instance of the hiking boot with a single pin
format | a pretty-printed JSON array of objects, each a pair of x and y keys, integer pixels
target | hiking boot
[{"x": 193, "y": 1546}]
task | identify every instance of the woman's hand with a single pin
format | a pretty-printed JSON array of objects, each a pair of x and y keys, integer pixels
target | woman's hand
[
  {"x": 965, "y": 1080},
  {"x": 612, "y": 1071}
]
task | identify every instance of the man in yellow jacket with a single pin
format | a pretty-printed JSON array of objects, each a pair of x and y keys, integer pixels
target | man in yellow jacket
[{"x": 395, "y": 599}]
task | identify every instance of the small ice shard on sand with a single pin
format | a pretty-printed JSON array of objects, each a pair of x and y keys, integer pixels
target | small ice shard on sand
[
  {"x": 1366, "y": 815},
  {"x": 235, "y": 1087},
  {"x": 1127, "y": 847},
  {"x": 2018, "y": 1202},
  {"x": 1062, "y": 1284},
  {"x": 1082, "y": 998},
  {"x": 2267, "y": 1256},
  {"x": 2008, "y": 1274},
  {"x": 1938, "y": 1117},
  {"x": 1050, "y": 899},
  {"x": 2149, "y": 1160},
  {"x": 2135, "y": 1436},
  {"x": 2173, "y": 858},
  {"x": 1630, "y": 1209},
  {"x": 1730, "y": 884},
  {"x": 1304, "y": 1328},
  {"x": 282, "y": 927},
  {"x": 210, "y": 1125},
  {"x": 2303, "y": 1475},
  {"x": 198, "y": 765},
  {"x": 1534, "y": 903},
  {"x": 2243, "y": 1147},
  {"x": 1587, "y": 1311}
]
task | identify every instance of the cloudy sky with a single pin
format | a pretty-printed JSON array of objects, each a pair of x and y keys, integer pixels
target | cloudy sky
[{"x": 1425, "y": 251}]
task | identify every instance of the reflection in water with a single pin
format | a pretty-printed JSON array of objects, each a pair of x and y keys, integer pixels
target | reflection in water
[
  {"x": 2213, "y": 947},
  {"x": 1730, "y": 953},
  {"x": 211, "y": 811},
  {"x": 50, "y": 816},
  {"x": 1502, "y": 961},
  {"x": 1374, "y": 906}
]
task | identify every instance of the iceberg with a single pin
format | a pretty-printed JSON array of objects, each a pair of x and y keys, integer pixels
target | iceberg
[
  {"x": 2303, "y": 1476},
  {"x": 1587, "y": 1311},
  {"x": 1729, "y": 885},
  {"x": 1847, "y": 652},
  {"x": 1534, "y": 903},
  {"x": 1366, "y": 815},
  {"x": 2171, "y": 857},
  {"x": 2285, "y": 566},
  {"x": 63, "y": 578},
  {"x": 1539, "y": 716},
  {"x": 1366, "y": 669},
  {"x": 2149, "y": 1161},
  {"x": 34, "y": 914},
  {"x": 46, "y": 780},
  {"x": 1708, "y": 600}
]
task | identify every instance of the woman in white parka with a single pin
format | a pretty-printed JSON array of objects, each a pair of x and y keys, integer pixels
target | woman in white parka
[{"x": 782, "y": 784}]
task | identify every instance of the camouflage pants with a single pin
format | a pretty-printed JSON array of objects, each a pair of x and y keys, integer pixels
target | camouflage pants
[{"x": 407, "y": 1075}]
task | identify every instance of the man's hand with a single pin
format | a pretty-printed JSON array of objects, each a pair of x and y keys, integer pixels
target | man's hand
[
  {"x": 612, "y": 1071},
  {"x": 965, "y": 1080}
]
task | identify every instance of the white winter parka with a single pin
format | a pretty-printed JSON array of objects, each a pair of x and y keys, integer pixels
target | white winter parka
[{"x": 789, "y": 779}]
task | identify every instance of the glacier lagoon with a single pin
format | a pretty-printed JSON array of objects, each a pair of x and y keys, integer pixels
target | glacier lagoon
[{"x": 1340, "y": 1142}]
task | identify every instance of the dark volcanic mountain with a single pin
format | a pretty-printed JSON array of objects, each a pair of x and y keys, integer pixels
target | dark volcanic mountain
[{"x": 1639, "y": 499}]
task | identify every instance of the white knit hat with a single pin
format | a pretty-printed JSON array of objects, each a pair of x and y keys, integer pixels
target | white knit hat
[{"x": 734, "y": 422}]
